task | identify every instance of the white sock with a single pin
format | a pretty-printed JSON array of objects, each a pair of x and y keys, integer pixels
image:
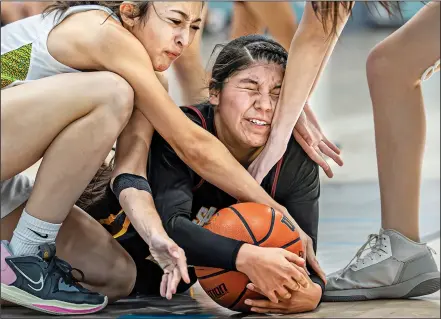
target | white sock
[{"x": 30, "y": 233}]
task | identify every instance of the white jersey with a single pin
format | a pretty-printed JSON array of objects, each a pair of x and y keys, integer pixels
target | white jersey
[{"x": 24, "y": 53}]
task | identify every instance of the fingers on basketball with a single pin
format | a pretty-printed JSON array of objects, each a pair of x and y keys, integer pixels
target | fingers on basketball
[{"x": 255, "y": 224}]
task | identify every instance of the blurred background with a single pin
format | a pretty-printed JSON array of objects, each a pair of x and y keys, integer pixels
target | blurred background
[{"x": 350, "y": 202}]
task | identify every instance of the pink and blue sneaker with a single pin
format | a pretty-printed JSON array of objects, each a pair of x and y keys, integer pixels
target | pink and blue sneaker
[{"x": 45, "y": 283}]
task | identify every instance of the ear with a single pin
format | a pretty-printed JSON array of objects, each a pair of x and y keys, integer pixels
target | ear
[
  {"x": 214, "y": 97},
  {"x": 128, "y": 13}
]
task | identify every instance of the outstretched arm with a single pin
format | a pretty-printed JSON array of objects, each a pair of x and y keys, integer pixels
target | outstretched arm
[
  {"x": 172, "y": 183},
  {"x": 199, "y": 149},
  {"x": 309, "y": 52}
]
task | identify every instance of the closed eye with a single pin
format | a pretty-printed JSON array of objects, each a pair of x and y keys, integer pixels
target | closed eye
[
  {"x": 250, "y": 89},
  {"x": 176, "y": 22}
]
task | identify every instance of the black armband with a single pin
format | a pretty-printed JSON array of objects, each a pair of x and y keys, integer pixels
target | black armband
[{"x": 125, "y": 180}]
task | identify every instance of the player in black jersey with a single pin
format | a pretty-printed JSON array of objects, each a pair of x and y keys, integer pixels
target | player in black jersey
[{"x": 244, "y": 92}]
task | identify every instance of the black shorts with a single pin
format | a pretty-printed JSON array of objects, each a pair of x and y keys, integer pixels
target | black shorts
[{"x": 109, "y": 214}]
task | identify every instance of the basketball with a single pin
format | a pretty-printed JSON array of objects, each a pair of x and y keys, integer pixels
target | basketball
[{"x": 255, "y": 224}]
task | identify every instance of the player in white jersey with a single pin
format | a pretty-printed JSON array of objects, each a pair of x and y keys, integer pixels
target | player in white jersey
[{"x": 69, "y": 80}]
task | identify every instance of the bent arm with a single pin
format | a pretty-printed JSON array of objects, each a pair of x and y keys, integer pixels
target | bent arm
[
  {"x": 309, "y": 53},
  {"x": 195, "y": 146},
  {"x": 172, "y": 183},
  {"x": 131, "y": 156},
  {"x": 132, "y": 150},
  {"x": 214, "y": 251}
]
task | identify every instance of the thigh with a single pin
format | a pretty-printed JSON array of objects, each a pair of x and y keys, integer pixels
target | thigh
[
  {"x": 86, "y": 245},
  {"x": 11, "y": 11},
  {"x": 244, "y": 21},
  {"x": 278, "y": 17},
  {"x": 34, "y": 113},
  {"x": 35, "y": 7}
]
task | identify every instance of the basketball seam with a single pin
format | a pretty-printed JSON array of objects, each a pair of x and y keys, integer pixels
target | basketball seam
[
  {"x": 250, "y": 232},
  {"x": 273, "y": 218},
  {"x": 291, "y": 243},
  {"x": 239, "y": 298},
  {"x": 214, "y": 275}
]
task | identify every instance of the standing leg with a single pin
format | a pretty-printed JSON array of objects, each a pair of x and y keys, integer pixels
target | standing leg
[{"x": 397, "y": 266}]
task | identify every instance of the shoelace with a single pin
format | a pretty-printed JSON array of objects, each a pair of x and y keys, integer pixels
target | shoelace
[
  {"x": 376, "y": 248},
  {"x": 66, "y": 270}
]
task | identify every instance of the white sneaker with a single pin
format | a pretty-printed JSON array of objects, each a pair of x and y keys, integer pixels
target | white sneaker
[{"x": 395, "y": 267}]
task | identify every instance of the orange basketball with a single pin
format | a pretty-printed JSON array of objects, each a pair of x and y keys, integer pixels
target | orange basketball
[{"x": 252, "y": 223}]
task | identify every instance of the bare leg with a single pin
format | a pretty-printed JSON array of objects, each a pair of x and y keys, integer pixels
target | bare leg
[
  {"x": 35, "y": 7},
  {"x": 244, "y": 21},
  {"x": 278, "y": 17},
  {"x": 397, "y": 265},
  {"x": 86, "y": 245},
  {"x": 400, "y": 125},
  {"x": 72, "y": 121},
  {"x": 11, "y": 11}
]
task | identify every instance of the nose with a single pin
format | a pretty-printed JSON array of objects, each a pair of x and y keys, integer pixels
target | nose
[
  {"x": 264, "y": 102},
  {"x": 183, "y": 38}
]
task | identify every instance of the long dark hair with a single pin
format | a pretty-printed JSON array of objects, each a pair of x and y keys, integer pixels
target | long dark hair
[{"x": 328, "y": 12}]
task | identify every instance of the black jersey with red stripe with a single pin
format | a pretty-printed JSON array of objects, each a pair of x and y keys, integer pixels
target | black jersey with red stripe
[{"x": 183, "y": 199}]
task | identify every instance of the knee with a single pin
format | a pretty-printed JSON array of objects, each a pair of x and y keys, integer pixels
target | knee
[
  {"x": 378, "y": 64},
  {"x": 119, "y": 97},
  {"x": 386, "y": 67},
  {"x": 123, "y": 278}
]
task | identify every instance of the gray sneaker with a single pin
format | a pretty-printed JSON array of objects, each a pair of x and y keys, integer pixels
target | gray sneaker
[{"x": 395, "y": 267}]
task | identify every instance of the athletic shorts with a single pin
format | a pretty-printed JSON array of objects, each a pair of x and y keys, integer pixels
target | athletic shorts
[
  {"x": 14, "y": 192},
  {"x": 109, "y": 214}
]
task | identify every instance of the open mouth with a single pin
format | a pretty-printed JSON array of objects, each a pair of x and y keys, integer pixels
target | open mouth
[{"x": 258, "y": 122}]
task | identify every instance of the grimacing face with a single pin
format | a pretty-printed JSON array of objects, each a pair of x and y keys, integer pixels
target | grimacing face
[
  {"x": 168, "y": 29},
  {"x": 246, "y": 103}
]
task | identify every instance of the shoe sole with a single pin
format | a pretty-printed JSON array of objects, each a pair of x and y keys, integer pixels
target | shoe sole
[
  {"x": 421, "y": 285},
  {"x": 54, "y": 307}
]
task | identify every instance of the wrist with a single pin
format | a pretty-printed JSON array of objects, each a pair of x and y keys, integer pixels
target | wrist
[
  {"x": 316, "y": 295},
  {"x": 140, "y": 209},
  {"x": 152, "y": 231},
  {"x": 244, "y": 255}
]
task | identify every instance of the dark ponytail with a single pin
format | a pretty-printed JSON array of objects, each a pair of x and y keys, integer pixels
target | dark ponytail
[{"x": 328, "y": 12}]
